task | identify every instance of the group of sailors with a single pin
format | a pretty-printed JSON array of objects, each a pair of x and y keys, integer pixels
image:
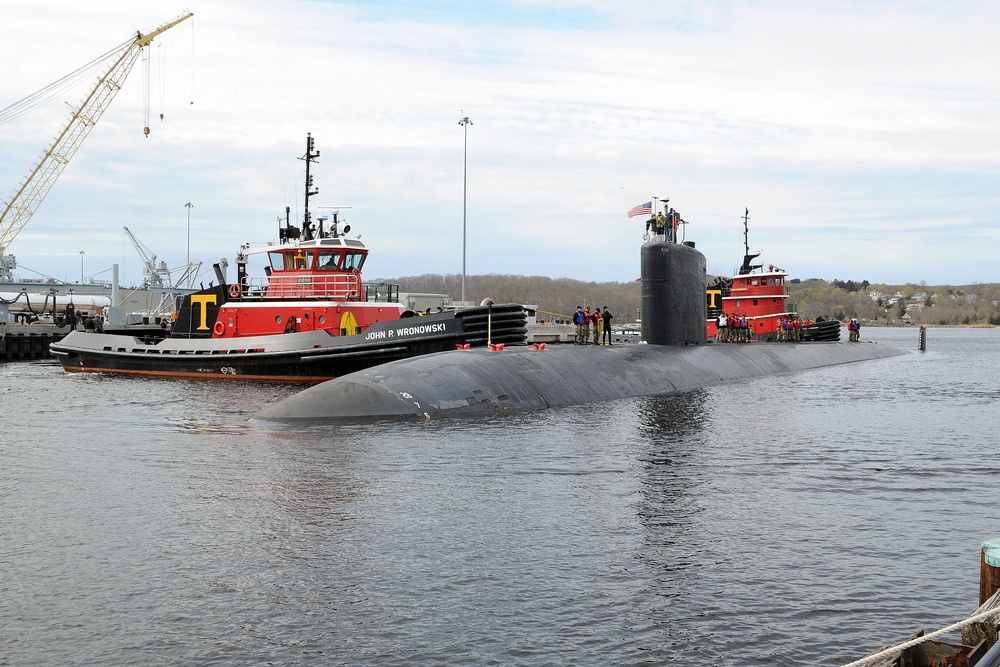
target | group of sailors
[
  {"x": 854, "y": 329},
  {"x": 739, "y": 329},
  {"x": 733, "y": 329},
  {"x": 599, "y": 321},
  {"x": 665, "y": 225},
  {"x": 789, "y": 329}
]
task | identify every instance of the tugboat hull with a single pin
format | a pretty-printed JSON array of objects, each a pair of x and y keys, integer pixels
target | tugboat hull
[{"x": 307, "y": 357}]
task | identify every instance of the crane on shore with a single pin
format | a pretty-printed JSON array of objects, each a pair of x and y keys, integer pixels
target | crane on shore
[
  {"x": 29, "y": 195},
  {"x": 156, "y": 274}
]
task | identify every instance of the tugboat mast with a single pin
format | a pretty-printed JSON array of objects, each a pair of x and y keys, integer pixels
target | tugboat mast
[
  {"x": 309, "y": 157},
  {"x": 747, "y": 257},
  {"x": 746, "y": 228}
]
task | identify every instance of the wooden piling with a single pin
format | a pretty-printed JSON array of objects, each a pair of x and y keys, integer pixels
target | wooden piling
[{"x": 989, "y": 569}]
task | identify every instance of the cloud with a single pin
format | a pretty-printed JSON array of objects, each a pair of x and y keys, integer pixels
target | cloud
[{"x": 859, "y": 134}]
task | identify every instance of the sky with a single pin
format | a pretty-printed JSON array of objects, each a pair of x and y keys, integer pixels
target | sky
[{"x": 861, "y": 136}]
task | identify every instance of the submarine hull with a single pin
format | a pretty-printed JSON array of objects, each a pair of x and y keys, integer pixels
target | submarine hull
[{"x": 464, "y": 383}]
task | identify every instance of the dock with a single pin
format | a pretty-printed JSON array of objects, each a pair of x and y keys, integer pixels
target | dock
[
  {"x": 22, "y": 342},
  {"x": 26, "y": 342},
  {"x": 566, "y": 333}
]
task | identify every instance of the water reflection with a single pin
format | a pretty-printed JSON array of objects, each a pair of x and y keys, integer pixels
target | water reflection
[
  {"x": 670, "y": 428},
  {"x": 668, "y": 420}
]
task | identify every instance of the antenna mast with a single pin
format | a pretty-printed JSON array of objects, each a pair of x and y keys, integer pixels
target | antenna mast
[
  {"x": 309, "y": 157},
  {"x": 746, "y": 231}
]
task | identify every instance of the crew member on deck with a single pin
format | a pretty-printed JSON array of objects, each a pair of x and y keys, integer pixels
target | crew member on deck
[
  {"x": 855, "y": 328},
  {"x": 607, "y": 317},
  {"x": 578, "y": 321}
]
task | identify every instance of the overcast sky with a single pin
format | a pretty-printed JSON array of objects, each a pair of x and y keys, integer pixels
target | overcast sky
[{"x": 862, "y": 136}]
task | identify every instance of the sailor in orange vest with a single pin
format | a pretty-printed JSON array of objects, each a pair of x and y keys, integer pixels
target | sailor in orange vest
[{"x": 855, "y": 328}]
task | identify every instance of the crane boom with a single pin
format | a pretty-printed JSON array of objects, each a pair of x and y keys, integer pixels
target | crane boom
[
  {"x": 154, "y": 274},
  {"x": 36, "y": 186}
]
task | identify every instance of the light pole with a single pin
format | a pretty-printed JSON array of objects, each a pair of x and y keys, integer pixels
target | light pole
[
  {"x": 465, "y": 123},
  {"x": 189, "y": 206},
  {"x": 82, "y": 253}
]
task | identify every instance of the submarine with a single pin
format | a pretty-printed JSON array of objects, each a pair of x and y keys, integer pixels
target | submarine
[{"x": 675, "y": 356}]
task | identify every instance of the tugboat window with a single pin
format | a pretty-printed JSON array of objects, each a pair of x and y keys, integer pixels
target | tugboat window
[
  {"x": 328, "y": 260},
  {"x": 353, "y": 260}
]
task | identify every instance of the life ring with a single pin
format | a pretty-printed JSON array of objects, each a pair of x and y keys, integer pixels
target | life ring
[
  {"x": 234, "y": 290},
  {"x": 220, "y": 328}
]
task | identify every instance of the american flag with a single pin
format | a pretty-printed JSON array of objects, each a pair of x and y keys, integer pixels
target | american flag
[{"x": 641, "y": 209}]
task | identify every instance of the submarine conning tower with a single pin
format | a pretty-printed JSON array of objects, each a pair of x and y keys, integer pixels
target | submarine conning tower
[{"x": 673, "y": 294}]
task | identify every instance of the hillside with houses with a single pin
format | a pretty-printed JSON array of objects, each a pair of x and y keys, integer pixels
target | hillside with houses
[{"x": 894, "y": 305}]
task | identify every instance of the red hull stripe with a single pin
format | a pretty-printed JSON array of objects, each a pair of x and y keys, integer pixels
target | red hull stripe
[{"x": 312, "y": 379}]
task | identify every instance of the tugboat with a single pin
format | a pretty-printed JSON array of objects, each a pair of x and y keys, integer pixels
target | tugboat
[
  {"x": 308, "y": 319},
  {"x": 762, "y": 298}
]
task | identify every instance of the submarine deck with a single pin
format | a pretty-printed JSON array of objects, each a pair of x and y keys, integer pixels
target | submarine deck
[{"x": 477, "y": 382}]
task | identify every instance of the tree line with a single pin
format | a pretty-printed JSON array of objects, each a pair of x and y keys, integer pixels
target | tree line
[
  {"x": 840, "y": 299},
  {"x": 555, "y": 297}
]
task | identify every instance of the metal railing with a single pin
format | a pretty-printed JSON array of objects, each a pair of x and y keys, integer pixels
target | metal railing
[{"x": 339, "y": 286}]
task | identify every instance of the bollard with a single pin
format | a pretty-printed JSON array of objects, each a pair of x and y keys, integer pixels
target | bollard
[{"x": 922, "y": 339}]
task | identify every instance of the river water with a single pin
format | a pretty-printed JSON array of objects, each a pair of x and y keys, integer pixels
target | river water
[{"x": 796, "y": 520}]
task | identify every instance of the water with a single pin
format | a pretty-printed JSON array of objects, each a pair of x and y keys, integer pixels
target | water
[{"x": 797, "y": 520}]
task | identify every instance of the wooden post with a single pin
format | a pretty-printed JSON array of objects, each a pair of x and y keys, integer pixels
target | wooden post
[{"x": 989, "y": 570}]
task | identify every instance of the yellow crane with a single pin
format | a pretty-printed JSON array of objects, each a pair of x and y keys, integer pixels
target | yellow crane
[{"x": 30, "y": 194}]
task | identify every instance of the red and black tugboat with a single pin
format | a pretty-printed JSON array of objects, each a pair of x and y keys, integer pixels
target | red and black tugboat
[
  {"x": 761, "y": 298},
  {"x": 308, "y": 318}
]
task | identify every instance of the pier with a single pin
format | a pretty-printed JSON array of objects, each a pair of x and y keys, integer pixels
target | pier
[
  {"x": 26, "y": 342},
  {"x": 22, "y": 342}
]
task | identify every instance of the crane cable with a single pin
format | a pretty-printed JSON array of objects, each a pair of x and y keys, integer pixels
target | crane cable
[
  {"x": 147, "y": 56},
  {"x": 192, "y": 62},
  {"x": 162, "y": 45},
  {"x": 58, "y": 87}
]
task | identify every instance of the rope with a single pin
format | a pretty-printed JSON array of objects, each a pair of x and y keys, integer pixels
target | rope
[
  {"x": 990, "y": 605},
  {"x": 545, "y": 312},
  {"x": 57, "y": 87}
]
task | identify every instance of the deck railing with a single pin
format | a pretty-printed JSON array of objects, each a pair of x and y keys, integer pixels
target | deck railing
[{"x": 338, "y": 286}]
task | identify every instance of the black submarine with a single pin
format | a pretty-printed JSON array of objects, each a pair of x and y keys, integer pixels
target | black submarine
[{"x": 674, "y": 357}]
